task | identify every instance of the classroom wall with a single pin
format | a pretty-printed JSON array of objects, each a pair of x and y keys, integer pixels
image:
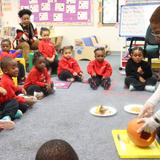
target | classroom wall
[{"x": 105, "y": 34}]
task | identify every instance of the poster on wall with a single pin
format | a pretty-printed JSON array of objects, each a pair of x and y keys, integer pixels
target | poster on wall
[
  {"x": 110, "y": 11},
  {"x": 59, "y": 11}
]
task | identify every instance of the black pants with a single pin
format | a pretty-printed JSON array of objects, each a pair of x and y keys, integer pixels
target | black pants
[
  {"x": 53, "y": 66},
  {"x": 23, "y": 107},
  {"x": 64, "y": 75},
  {"x": 98, "y": 80},
  {"x": 130, "y": 80},
  {"x": 21, "y": 73},
  {"x": 9, "y": 108},
  {"x": 35, "y": 88}
]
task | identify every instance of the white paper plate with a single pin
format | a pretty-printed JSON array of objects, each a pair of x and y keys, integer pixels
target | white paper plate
[
  {"x": 133, "y": 108},
  {"x": 110, "y": 111}
]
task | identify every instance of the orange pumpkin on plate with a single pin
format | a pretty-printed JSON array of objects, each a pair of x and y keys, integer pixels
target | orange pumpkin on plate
[{"x": 143, "y": 139}]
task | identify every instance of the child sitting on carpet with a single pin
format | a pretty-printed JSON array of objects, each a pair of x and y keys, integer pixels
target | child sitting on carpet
[
  {"x": 68, "y": 68},
  {"x": 56, "y": 150},
  {"x": 38, "y": 82},
  {"x": 100, "y": 70},
  {"x": 138, "y": 72},
  {"x": 47, "y": 48},
  {"x": 6, "y": 46},
  {"x": 11, "y": 105}
]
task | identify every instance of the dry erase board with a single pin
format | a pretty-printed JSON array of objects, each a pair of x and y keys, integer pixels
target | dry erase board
[
  {"x": 134, "y": 19},
  {"x": 59, "y": 11}
]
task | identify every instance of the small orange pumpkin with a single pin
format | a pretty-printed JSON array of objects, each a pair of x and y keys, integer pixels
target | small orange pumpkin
[{"x": 142, "y": 139}]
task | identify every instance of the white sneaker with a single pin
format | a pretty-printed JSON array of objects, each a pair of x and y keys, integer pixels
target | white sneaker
[
  {"x": 131, "y": 88},
  {"x": 150, "y": 88},
  {"x": 38, "y": 95},
  {"x": 6, "y": 124}
]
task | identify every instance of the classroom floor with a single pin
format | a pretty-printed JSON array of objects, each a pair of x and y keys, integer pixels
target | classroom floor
[{"x": 65, "y": 115}]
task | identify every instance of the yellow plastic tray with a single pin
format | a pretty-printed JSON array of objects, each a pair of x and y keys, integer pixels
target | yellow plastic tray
[{"x": 126, "y": 149}]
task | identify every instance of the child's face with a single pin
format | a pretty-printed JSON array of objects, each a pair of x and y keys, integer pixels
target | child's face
[
  {"x": 67, "y": 53},
  {"x": 45, "y": 34},
  {"x": 5, "y": 46},
  {"x": 25, "y": 19},
  {"x": 99, "y": 56},
  {"x": 12, "y": 69},
  {"x": 40, "y": 63},
  {"x": 137, "y": 56}
]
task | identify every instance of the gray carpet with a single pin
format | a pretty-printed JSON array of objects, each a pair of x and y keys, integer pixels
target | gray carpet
[{"x": 65, "y": 115}]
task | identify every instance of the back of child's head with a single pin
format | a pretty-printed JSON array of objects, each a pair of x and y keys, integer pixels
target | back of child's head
[
  {"x": 56, "y": 150},
  {"x": 44, "y": 29},
  {"x": 155, "y": 18},
  {"x": 36, "y": 57},
  {"x": 140, "y": 49},
  {"x": 66, "y": 48},
  {"x": 5, "y": 63}
]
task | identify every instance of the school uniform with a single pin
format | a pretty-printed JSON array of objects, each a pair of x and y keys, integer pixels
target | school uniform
[
  {"x": 66, "y": 68},
  {"x": 21, "y": 73},
  {"x": 47, "y": 48},
  {"x": 103, "y": 71},
  {"x": 132, "y": 76},
  {"x": 37, "y": 80},
  {"x": 8, "y": 84},
  {"x": 25, "y": 33}
]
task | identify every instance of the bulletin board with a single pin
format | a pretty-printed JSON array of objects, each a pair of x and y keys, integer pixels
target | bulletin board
[
  {"x": 59, "y": 11},
  {"x": 134, "y": 19}
]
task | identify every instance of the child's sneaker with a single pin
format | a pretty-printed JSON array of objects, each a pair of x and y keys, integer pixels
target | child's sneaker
[
  {"x": 93, "y": 85},
  {"x": 38, "y": 95},
  {"x": 150, "y": 88},
  {"x": 6, "y": 123},
  {"x": 131, "y": 88},
  {"x": 19, "y": 114},
  {"x": 106, "y": 85}
]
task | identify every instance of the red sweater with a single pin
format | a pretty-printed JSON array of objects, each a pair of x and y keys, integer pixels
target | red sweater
[
  {"x": 6, "y": 54},
  {"x": 8, "y": 84},
  {"x": 36, "y": 77},
  {"x": 68, "y": 64},
  {"x": 103, "y": 69},
  {"x": 46, "y": 47}
]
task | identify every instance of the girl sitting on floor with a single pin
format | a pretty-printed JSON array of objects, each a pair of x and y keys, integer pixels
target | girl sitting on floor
[
  {"x": 138, "y": 72},
  {"x": 100, "y": 70},
  {"x": 38, "y": 82},
  {"x": 68, "y": 68}
]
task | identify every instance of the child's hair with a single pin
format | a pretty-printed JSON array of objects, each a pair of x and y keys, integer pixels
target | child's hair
[
  {"x": 44, "y": 29},
  {"x": 66, "y": 47},
  {"x": 4, "y": 62},
  {"x": 155, "y": 18},
  {"x": 137, "y": 48},
  {"x": 99, "y": 49},
  {"x": 6, "y": 40},
  {"x": 56, "y": 150},
  {"x": 36, "y": 56},
  {"x": 23, "y": 12}
]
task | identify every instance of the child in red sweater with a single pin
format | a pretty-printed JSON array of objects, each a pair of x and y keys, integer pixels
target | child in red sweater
[
  {"x": 100, "y": 70},
  {"x": 47, "y": 48},
  {"x": 10, "y": 103},
  {"x": 38, "y": 81},
  {"x": 68, "y": 68},
  {"x": 6, "y": 46}
]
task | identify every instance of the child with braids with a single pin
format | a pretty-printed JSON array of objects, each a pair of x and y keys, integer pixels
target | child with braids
[{"x": 38, "y": 82}]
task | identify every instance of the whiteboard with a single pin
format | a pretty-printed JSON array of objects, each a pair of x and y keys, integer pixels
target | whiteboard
[{"x": 134, "y": 19}]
